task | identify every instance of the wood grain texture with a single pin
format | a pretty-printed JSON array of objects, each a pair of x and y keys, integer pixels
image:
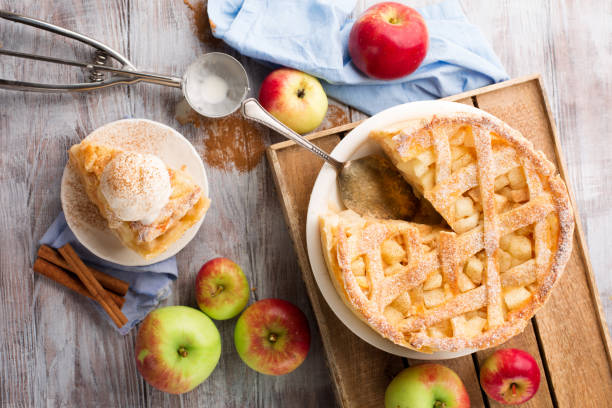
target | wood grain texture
[{"x": 54, "y": 349}]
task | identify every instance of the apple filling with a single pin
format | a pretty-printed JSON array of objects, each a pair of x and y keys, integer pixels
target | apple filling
[{"x": 416, "y": 159}]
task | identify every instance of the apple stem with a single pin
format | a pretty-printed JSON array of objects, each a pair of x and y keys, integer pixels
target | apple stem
[
  {"x": 513, "y": 386},
  {"x": 182, "y": 351},
  {"x": 272, "y": 338},
  {"x": 217, "y": 291},
  {"x": 301, "y": 93},
  {"x": 439, "y": 404}
]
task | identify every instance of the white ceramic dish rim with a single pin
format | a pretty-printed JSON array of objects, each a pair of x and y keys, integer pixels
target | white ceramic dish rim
[
  {"x": 92, "y": 243},
  {"x": 325, "y": 194}
]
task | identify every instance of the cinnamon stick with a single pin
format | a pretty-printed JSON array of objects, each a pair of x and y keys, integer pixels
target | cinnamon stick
[
  {"x": 64, "y": 278},
  {"x": 108, "y": 282},
  {"x": 94, "y": 287}
]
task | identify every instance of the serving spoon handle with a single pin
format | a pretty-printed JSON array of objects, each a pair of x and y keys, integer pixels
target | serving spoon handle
[
  {"x": 251, "y": 109},
  {"x": 370, "y": 185}
]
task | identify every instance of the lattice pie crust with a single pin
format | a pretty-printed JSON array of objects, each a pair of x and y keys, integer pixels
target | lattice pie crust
[{"x": 478, "y": 284}]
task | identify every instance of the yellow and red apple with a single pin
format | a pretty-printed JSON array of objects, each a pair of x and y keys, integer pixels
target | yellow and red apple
[
  {"x": 426, "y": 386},
  {"x": 510, "y": 376},
  {"x": 177, "y": 348},
  {"x": 272, "y": 336},
  {"x": 388, "y": 41},
  {"x": 222, "y": 289},
  {"x": 294, "y": 98}
]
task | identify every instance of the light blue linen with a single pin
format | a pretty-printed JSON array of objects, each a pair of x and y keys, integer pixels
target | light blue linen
[
  {"x": 148, "y": 284},
  {"x": 312, "y": 36}
]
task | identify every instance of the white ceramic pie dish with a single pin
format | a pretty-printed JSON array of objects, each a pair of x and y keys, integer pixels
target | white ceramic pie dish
[
  {"x": 325, "y": 195},
  {"x": 143, "y": 136}
]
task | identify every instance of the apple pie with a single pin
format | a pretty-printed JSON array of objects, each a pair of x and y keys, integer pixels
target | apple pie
[
  {"x": 473, "y": 285},
  {"x": 145, "y": 203}
]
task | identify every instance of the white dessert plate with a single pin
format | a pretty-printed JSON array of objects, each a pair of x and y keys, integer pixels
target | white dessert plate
[
  {"x": 143, "y": 136},
  {"x": 325, "y": 195}
]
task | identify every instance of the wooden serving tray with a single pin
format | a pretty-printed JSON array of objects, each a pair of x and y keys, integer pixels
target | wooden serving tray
[{"x": 568, "y": 336}]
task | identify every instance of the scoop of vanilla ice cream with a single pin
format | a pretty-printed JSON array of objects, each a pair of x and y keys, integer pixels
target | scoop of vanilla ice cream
[{"x": 136, "y": 186}]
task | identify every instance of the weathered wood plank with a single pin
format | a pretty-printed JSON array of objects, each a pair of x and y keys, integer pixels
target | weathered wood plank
[{"x": 57, "y": 346}]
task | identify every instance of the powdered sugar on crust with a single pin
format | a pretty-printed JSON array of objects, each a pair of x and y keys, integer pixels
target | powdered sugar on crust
[{"x": 356, "y": 296}]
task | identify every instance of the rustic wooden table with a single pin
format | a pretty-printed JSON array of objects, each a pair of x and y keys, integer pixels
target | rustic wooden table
[{"x": 55, "y": 351}]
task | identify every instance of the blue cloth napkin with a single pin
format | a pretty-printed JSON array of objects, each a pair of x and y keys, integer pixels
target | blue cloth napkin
[
  {"x": 312, "y": 36},
  {"x": 148, "y": 284}
]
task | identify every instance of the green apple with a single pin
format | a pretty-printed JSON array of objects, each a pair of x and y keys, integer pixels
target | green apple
[
  {"x": 295, "y": 98},
  {"x": 222, "y": 290},
  {"x": 177, "y": 348},
  {"x": 427, "y": 386},
  {"x": 272, "y": 336}
]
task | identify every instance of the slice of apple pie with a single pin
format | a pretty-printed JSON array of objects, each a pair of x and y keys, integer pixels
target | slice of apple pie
[
  {"x": 146, "y": 204},
  {"x": 473, "y": 286}
]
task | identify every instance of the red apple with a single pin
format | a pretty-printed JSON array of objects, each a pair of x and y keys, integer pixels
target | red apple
[
  {"x": 295, "y": 98},
  {"x": 272, "y": 336},
  {"x": 426, "y": 386},
  {"x": 222, "y": 290},
  {"x": 177, "y": 347},
  {"x": 510, "y": 376},
  {"x": 388, "y": 41}
]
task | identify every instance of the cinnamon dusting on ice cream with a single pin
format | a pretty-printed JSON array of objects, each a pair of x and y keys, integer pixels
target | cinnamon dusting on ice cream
[{"x": 136, "y": 186}]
